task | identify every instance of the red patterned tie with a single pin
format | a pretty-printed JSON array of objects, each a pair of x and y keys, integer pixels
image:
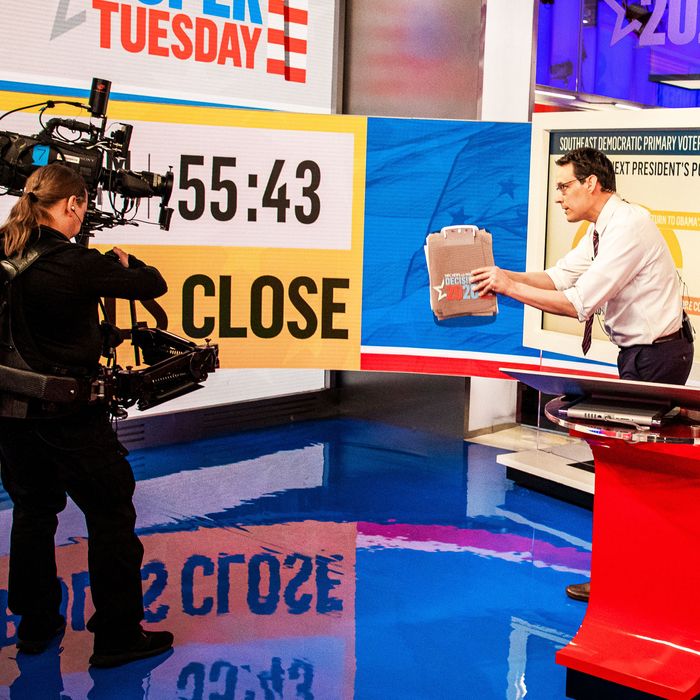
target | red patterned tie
[{"x": 588, "y": 328}]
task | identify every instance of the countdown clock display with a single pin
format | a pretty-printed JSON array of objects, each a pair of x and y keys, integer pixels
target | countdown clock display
[
  {"x": 248, "y": 186},
  {"x": 274, "y": 195}
]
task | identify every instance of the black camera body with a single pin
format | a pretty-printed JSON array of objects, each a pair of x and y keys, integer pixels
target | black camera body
[
  {"x": 18, "y": 156},
  {"x": 102, "y": 160}
]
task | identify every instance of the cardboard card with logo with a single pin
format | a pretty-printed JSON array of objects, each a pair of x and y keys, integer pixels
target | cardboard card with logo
[{"x": 451, "y": 254}]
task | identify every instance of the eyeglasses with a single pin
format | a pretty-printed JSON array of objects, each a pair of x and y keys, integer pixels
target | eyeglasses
[{"x": 563, "y": 186}]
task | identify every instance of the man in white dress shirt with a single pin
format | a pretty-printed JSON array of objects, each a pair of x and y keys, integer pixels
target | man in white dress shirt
[{"x": 622, "y": 267}]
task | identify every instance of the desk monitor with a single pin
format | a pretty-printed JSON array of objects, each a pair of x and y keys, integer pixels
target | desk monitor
[{"x": 605, "y": 388}]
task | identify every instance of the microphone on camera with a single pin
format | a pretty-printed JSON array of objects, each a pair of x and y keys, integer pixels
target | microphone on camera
[{"x": 99, "y": 97}]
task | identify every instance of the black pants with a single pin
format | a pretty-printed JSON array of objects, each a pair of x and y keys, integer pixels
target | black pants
[
  {"x": 42, "y": 460},
  {"x": 665, "y": 363}
]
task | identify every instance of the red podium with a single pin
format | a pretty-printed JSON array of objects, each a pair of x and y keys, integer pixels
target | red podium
[{"x": 640, "y": 637}]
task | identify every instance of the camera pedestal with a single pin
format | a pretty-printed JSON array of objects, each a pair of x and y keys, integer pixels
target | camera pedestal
[{"x": 640, "y": 637}]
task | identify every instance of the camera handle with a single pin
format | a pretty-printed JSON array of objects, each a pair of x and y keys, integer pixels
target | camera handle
[{"x": 134, "y": 326}]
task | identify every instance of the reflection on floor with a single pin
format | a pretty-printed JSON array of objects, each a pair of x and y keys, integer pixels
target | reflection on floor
[{"x": 331, "y": 559}]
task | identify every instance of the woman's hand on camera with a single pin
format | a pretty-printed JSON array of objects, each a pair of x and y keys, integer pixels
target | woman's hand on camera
[{"x": 123, "y": 256}]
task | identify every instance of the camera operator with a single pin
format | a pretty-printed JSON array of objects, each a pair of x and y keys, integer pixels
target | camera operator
[{"x": 70, "y": 449}]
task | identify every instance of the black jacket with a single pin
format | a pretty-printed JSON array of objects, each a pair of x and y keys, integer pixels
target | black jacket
[{"x": 55, "y": 314}]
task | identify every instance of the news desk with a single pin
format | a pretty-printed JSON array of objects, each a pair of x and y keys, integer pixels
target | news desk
[{"x": 640, "y": 637}]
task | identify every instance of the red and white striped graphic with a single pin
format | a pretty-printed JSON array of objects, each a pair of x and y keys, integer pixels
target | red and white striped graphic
[{"x": 287, "y": 36}]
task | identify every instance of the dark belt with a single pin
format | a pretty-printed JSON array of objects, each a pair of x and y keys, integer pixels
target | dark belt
[{"x": 671, "y": 336}]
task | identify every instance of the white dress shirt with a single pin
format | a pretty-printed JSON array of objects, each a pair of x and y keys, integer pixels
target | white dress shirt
[{"x": 633, "y": 279}]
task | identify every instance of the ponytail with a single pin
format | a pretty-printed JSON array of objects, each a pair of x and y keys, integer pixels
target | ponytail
[{"x": 43, "y": 188}]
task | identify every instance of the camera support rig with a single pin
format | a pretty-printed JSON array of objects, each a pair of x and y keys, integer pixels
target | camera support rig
[{"x": 176, "y": 366}]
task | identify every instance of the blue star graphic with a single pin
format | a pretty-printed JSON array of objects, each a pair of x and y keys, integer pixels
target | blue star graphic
[
  {"x": 620, "y": 32},
  {"x": 507, "y": 187},
  {"x": 459, "y": 216}
]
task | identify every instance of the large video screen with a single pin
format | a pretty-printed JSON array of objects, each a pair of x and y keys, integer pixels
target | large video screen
[
  {"x": 657, "y": 165},
  {"x": 263, "y": 54}
]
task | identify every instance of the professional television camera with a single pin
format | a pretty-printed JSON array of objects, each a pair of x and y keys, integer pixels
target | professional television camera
[
  {"x": 176, "y": 365},
  {"x": 102, "y": 160}
]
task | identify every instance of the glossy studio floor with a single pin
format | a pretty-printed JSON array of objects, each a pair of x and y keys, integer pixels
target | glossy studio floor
[{"x": 328, "y": 559}]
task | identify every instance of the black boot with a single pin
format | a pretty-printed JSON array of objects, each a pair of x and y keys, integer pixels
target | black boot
[
  {"x": 34, "y": 636},
  {"x": 142, "y": 645}
]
